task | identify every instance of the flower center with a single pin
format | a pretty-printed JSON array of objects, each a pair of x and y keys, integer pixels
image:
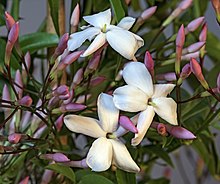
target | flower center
[
  {"x": 151, "y": 103},
  {"x": 104, "y": 28},
  {"x": 110, "y": 136}
]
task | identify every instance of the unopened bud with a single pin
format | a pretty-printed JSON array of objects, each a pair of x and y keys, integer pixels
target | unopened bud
[
  {"x": 78, "y": 77},
  {"x": 61, "y": 90},
  {"x": 14, "y": 138},
  {"x": 126, "y": 123},
  {"x": 27, "y": 60},
  {"x": 18, "y": 83},
  {"x": 74, "y": 20},
  {"x": 25, "y": 180},
  {"x": 146, "y": 14},
  {"x": 9, "y": 20},
  {"x": 97, "y": 80},
  {"x": 47, "y": 176},
  {"x": 161, "y": 129},
  {"x": 149, "y": 63},
  {"x": 25, "y": 101},
  {"x": 194, "y": 24},
  {"x": 71, "y": 96},
  {"x": 185, "y": 4},
  {"x": 57, "y": 157},
  {"x": 93, "y": 63},
  {"x": 5, "y": 93},
  {"x": 186, "y": 71},
  {"x": 170, "y": 76},
  {"x": 187, "y": 57},
  {"x": 180, "y": 132},
  {"x": 203, "y": 33},
  {"x": 53, "y": 102},
  {"x": 59, "y": 123},
  {"x": 72, "y": 107},
  {"x": 196, "y": 69},
  {"x": 218, "y": 81},
  {"x": 193, "y": 48},
  {"x": 62, "y": 45}
]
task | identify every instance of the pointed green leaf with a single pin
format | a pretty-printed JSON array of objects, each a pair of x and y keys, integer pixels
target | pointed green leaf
[
  {"x": 54, "y": 12},
  {"x": 15, "y": 9},
  {"x": 95, "y": 179},
  {"x": 124, "y": 177},
  {"x": 118, "y": 9}
]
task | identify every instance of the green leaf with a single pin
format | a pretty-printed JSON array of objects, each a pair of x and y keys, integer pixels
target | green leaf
[
  {"x": 95, "y": 179},
  {"x": 54, "y": 11},
  {"x": 64, "y": 170},
  {"x": 2, "y": 18},
  {"x": 15, "y": 9},
  {"x": 118, "y": 9},
  {"x": 35, "y": 41},
  {"x": 125, "y": 177}
]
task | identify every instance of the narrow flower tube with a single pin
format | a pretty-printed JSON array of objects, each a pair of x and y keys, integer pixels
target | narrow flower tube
[
  {"x": 25, "y": 101},
  {"x": 71, "y": 107},
  {"x": 9, "y": 20},
  {"x": 77, "y": 163},
  {"x": 194, "y": 24},
  {"x": 203, "y": 37},
  {"x": 126, "y": 123},
  {"x": 149, "y": 63},
  {"x": 14, "y": 138},
  {"x": 180, "y": 40},
  {"x": 62, "y": 45},
  {"x": 74, "y": 20},
  {"x": 197, "y": 71},
  {"x": 57, "y": 157}
]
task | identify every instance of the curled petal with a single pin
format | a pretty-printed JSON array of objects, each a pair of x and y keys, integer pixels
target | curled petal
[
  {"x": 107, "y": 112},
  {"x": 77, "y": 39},
  {"x": 162, "y": 90},
  {"x": 126, "y": 23},
  {"x": 166, "y": 109},
  {"x": 136, "y": 74},
  {"x": 95, "y": 45},
  {"x": 130, "y": 98},
  {"x": 99, "y": 19},
  {"x": 99, "y": 157},
  {"x": 144, "y": 122},
  {"x": 140, "y": 41},
  {"x": 122, "y": 158},
  {"x": 84, "y": 125},
  {"x": 123, "y": 42}
]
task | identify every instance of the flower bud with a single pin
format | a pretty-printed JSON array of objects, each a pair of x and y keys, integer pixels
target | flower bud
[
  {"x": 74, "y": 20},
  {"x": 218, "y": 81},
  {"x": 53, "y": 102},
  {"x": 180, "y": 40},
  {"x": 187, "y": 57},
  {"x": 9, "y": 20},
  {"x": 18, "y": 83},
  {"x": 186, "y": 71},
  {"x": 203, "y": 33},
  {"x": 180, "y": 132},
  {"x": 57, "y": 157},
  {"x": 196, "y": 69},
  {"x": 194, "y": 24},
  {"x": 14, "y": 138},
  {"x": 25, "y": 180},
  {"x": 161, "y": 129},
  {"x": 78, "y": 77},
  {"x": 193, "y": 48},
  {"x": 93, "y": 63},
  {"x": 97, "y": 80},
  {"x": 27, "y": 60},
  {"x": 149, "y": 63},
  {"x": 126, "y": 123},
  {"x": 62, "y": 45},
  {"x": 72, "y": 107},
  {"x": 47, "y": 176},
  {"x": 5, "y": 93},
  {"x": 61, "y": 90},
  {"x": 25, "y": 101},
  {"x": 59, "y": 123},
  {"x": 185, "y": 4},
  {"x": 146, "y": 14},
  {"x": 71, "y": 96},
  {"x": 171, "y": 76}
]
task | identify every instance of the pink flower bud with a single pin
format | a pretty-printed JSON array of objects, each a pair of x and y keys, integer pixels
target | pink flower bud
[
  {"x": 71, "y": 96},
  {"x": 53, "y": 102},
  {"x": 194, "y": 24},
  {"x": 13, "y": 34},
  {"x": 126, "y": 123},
  {"x": 203, "y": 33},
  {"x": 78, "y": 77},
  {"x": 196, "y": 69},
  {"x": 187, "y": 57},
  {"x": 146, "y": 14},
  {"x": 161, "y": 129},
  {"x": 5, "y": 93},
  {"x": 97, "y": 80},
  {"x": 72, "y": 107},
  {"x": 59, "y": 123},
  {"x": 149, "y": 63},
  {"x": 25, "y": 180},
  {"x": 57, "y": 157},
  {"x": 14, "y": 138},
  {"x": 18, "y": 83},
  {"x": 64, "y": 97},
  {"x": 27, "y": 60},
  {"x": 74, "y": 20},
  {"x": 47, "y": 176},
  {"x": 62, "y": 45},
  {"x": 72, "y": 57},
  {"x": 25, "y": 101},
  {"x": 185, "y": 4},
  {"x": 171, "y": 76},
  {"x": 186, "y": 71},
  {"x": 94, "y": 62},
  {"x": 61, "y": 90},
  {"x": 180, "y": 132},
  {"x": 218, "y": 81},
  {"x": 9, "y": 20},
  {"x": 194, "y": 47}
]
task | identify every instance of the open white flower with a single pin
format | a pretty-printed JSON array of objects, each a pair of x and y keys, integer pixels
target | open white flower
[
  {"x": 121, "y": 40},
  {"x": 141, "y": 95},
  {"x": 106, "y": 149}
]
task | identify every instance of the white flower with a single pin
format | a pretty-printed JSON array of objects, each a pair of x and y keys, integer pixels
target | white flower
[
  {"x": 141, "y": 95},
  {"x": 106, "y": 149},
  {"x": 121, "y": 40}
]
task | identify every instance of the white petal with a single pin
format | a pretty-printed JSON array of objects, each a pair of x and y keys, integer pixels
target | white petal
[
  {"x": 84, "y": 125},
  {"x": 140, "y": 41},
  {"x": 123, "y": 42},
  {"x": 95, "y": 45},
  {"x": 162, "y": 90},
  {"x": 122, "y": 158},
  {"x": 144, "y": 121},
  {"x": 77, "y": 39},
  {"x": 107, "y": 112},
  {"x": 99, "y": 157},
  {"x": 126, "y": 23},
  {"x": 136, "y": 74},
  {"x": 166, "y": 109},
  {"x": 130, "y": 98},
  {"x": 99, "y": 19}
]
